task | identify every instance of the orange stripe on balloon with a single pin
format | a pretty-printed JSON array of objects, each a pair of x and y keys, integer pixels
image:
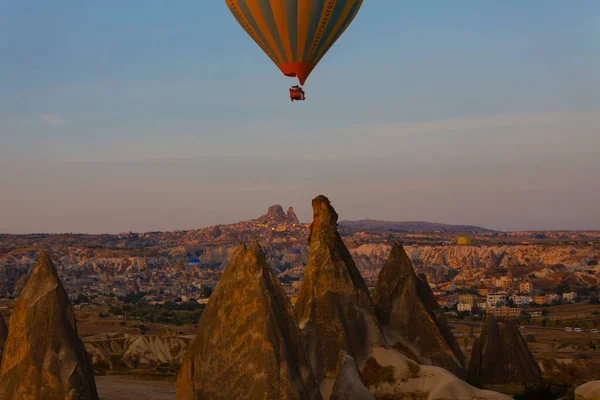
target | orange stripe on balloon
[
  {"x": 264, "y": 29},
  {"x": 279, "y": 15}
]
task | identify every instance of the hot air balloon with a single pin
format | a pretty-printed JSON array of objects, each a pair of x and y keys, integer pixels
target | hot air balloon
[{"x": 295, "y": 34}]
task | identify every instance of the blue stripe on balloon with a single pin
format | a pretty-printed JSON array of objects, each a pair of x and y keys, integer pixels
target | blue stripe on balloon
[
  {"x": 335, "y": 16},
  {"x": 291, "y": 14},
  {"x": 315, "y": 15},
  {"x": 267, "y": 12},
  {"x": 347, "y": 21}
]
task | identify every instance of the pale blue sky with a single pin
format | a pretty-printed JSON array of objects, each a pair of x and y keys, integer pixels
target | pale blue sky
[{"x": 123, "y": 115}]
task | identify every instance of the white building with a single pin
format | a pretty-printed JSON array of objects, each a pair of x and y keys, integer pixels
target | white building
[
  {"x": 464, "y": 307},
  {"x": 520, "y": 300},
  {"x": 569, "y": 297}
]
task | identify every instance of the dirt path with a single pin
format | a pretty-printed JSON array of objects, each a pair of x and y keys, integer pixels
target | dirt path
[{"x": 115, "y": 387}]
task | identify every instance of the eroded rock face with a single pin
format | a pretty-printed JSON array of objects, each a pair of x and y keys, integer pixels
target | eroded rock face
[
  {"x": 348, "y": 384},
  {"x": 43, "y": 356},
  {"x": 3, "y": 335},
  {"x": 500, "y": 355},
  {"x": 137, "y": 351},
  {"x": 407, "y": 308},
  {"x": 390, "y": 375},
  {"x": 588, "y": 391},
  {"x": 333, "y": 304},
  {"x": 248, "y": 344}
]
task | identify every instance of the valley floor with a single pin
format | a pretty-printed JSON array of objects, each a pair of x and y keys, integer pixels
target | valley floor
[{"x": 119, "y": 387}]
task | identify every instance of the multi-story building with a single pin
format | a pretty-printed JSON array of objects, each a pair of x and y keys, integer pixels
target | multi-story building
[
  {"x": 505, "y": 312},
  {"x": 464, "y": 307},
  {"x": 526, "y": 287},
  {"x": 520, "y": 300},
  {"x": 466, "y": 299},
  {"x": 483, "y": 291},
  {"x": 569, "y": 297},
  {"x": 494, "y": 300},
  {"x": 539, "y": 300}
]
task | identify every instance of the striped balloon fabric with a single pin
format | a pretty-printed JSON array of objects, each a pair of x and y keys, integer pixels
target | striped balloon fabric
[{"x": 295, "y": 34}]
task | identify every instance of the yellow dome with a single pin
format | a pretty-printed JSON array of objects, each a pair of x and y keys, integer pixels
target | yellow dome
[{"x": 464, "y": 241}]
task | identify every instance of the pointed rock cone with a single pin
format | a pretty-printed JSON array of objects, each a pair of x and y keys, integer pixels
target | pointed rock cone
[
  {"x": 248, "y": 345},
  {"x": 43, "y": 356},
  {"x": 3, "y": 335},
  {"x": 407, "y": 309},
  {"x": 333, "y": 304},
  {"x": 500, "y": 355}
]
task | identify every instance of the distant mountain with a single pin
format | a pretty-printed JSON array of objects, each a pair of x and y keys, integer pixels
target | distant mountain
[{"x": 409, "y": 226}]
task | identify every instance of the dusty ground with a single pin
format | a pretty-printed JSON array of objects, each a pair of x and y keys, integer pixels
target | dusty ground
[{"x": 119, "y": 387}]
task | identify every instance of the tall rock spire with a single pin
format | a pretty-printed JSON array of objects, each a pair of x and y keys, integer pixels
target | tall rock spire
[
  {"x": 407, "y": 309},
  {"x": 43, "y": 346},
  {"x": 248, "y": 344},
  {"x": 333, "y": 305}
]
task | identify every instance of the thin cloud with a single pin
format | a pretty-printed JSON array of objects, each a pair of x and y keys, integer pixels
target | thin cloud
[{"x": 51, "y": 119}]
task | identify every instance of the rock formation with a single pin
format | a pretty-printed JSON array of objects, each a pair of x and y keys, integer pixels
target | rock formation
[
  {"x": 43, "y": 346},
  {"x": 407, "y": 309},
  {"x": 291, "y": 216},
  {"x": 500, "y": 355},
  {"x": 390, "y": 375},
  {"x": 3, "y": 335},
  {"x": 248, "y": 344},
  {"x": 348, "y": 384},
  {"x": 588, "y": 391},
  {"x": 333, "y": 304}
]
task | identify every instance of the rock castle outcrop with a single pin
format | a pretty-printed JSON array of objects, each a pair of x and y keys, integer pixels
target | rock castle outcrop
[
  {"x": 248, "y": 344},
  {"x": 500, "y": 355},
  {"x": 408, "y": 311},
  {"x": 43, "y": 357}
]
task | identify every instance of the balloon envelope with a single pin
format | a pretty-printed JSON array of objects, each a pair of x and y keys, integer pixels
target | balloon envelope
[{"x": 295, "y": 34}]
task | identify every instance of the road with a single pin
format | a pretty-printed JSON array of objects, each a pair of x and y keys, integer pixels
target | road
[{"x": 541, "y": 328}]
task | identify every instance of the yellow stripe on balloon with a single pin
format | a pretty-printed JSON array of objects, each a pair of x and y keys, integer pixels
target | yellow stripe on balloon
[
  {"x": 264, "y": 29},
  {"x": 326, "y": 15},
  {"x": 333, "y": 33},
  {"x": 278, "y": 8},
  {"x": 303, "y": 21}
]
